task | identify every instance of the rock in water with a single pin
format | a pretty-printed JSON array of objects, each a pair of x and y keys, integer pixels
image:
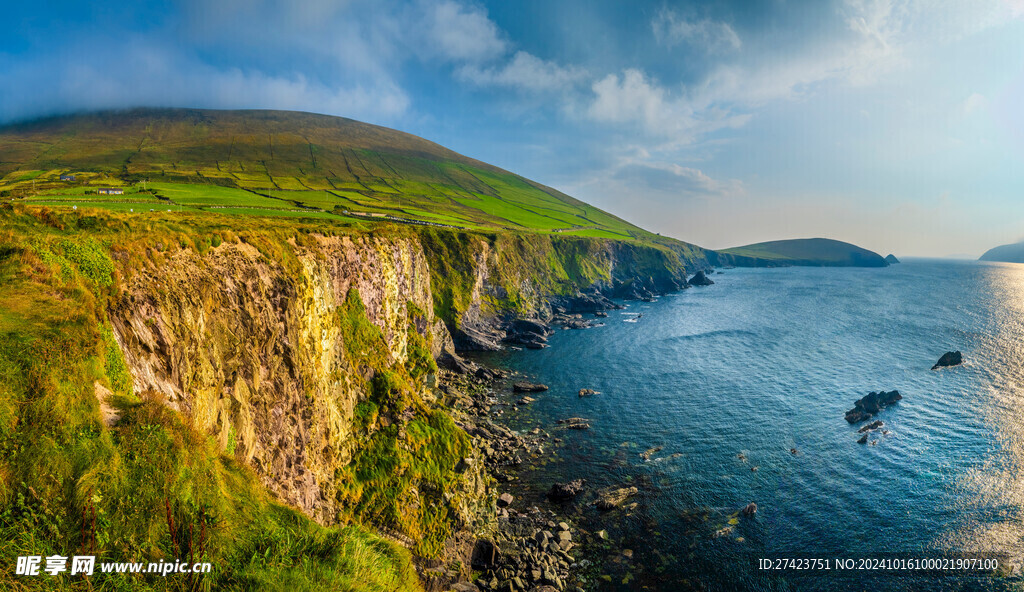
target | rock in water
[
  {"x": 749, "y": 510},
  {"x": 647, "y": 454},
  {"x": 561, "y": 492},
  {"x": 953, "y": 358},
  {"x": 871, "y": 426},
  {"x": 528, "y": 387},
  {"x": 613, "y": 498},
  {"x": 863, "y": 439},
  {"x": 586, "y": 392},
  {"x": 868, "y": 406},
  {"x": 700, "y": 279}
]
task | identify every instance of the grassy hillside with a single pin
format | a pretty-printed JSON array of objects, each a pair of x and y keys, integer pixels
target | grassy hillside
[
  {"x": 805, "y": 251},
  {"x": 278, "y": 163}
]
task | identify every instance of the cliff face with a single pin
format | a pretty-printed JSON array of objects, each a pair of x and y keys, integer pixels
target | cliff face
[
  {"x": 311, "y": 358},
  {"x": 256, "y": 354},
  {"x": 484, "y": 282}
]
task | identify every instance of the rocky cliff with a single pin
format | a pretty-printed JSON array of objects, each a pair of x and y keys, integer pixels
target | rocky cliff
[
  {"x": 255, "y": 352},
  {"x": 182, "y": 363},
  {"x": 485, "y": 282},
  {"x": 263, "y": 350}
]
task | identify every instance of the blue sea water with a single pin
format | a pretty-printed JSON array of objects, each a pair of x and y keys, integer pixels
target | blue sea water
[{"x": 768, "y": 360}]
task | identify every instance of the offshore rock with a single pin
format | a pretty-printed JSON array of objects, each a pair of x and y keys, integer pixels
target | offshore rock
[
  {"x": 953, "y": 358},
  {"x": 871, "y": 404},
  {"x": 609, "y": 499},
  {"x": 561, "y": 492},
  {"x": 700, "y": 279},
  {"x": 528, "y": 387}
]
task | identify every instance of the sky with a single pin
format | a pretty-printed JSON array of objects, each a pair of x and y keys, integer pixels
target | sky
[{"x": 898, "y": 126}]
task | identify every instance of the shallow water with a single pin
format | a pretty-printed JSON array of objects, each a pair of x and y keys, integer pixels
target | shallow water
[{"x": 767, "y": 360}]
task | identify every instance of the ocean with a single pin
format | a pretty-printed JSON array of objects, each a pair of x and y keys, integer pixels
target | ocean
[{"x": 730, "y": 379}]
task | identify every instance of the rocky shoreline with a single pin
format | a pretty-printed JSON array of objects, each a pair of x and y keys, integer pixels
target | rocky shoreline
[
  {"x": 528, "y": 548},
  {"x": 532, "y": 545}
]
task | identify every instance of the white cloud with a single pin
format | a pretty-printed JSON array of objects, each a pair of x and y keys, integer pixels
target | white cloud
[
  {"x": 149, "y": 75},
  {"x": 674, "y": 179},
  {"x": 524, "y": 71},
  {"x": 671, "y": 29},
  {"x": 463, "y": 32},
  {"x": 975, "y": 102},
  {"x": 633, "y": 99}
]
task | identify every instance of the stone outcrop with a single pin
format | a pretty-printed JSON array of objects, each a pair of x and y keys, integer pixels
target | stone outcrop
[
  {"x": 953, "y": 358},
  {"x": 701, "y": 279},
  {"x": 866, "y": 407},
  {"x": 561, "y": 492},
  {"x": 611, "y": 498},
  {"x": 528, "y": 387}
]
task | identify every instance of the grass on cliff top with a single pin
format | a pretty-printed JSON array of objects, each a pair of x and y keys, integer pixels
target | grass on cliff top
[{"x": 151, "y": 487}]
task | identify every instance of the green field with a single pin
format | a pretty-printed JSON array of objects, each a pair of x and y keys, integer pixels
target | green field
[{"x": 283, "y": 163}]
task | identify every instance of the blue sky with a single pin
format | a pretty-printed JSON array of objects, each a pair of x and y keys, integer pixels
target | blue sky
[{"x": 895, "y": 125}]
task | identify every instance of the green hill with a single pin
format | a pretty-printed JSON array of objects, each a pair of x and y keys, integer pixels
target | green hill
[
  {"x": 1006, "y": 253},
  {"x": 279, "y": 163},
  {"x": 819, "y": 252}
]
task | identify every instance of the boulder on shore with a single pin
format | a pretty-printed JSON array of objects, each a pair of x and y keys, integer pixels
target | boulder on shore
[
  {"x": 700, "y": 279},
  {"x": 953, "y": 358},
  {"x": 485, "y": 553},
  {"x": 561, "y": 492},
  {"x": 528, "y": 387},
  {"x": 866, "y": 407}
]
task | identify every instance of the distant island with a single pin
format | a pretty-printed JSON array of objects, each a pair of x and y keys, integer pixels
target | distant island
[
  {"x": 1006, "y": 253},
  {"x": 891, "y": 259},
  {"x": 814, "y": 252}
]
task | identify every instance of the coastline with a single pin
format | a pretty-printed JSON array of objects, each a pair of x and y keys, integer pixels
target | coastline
[{"x": 535, "y": 542}]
